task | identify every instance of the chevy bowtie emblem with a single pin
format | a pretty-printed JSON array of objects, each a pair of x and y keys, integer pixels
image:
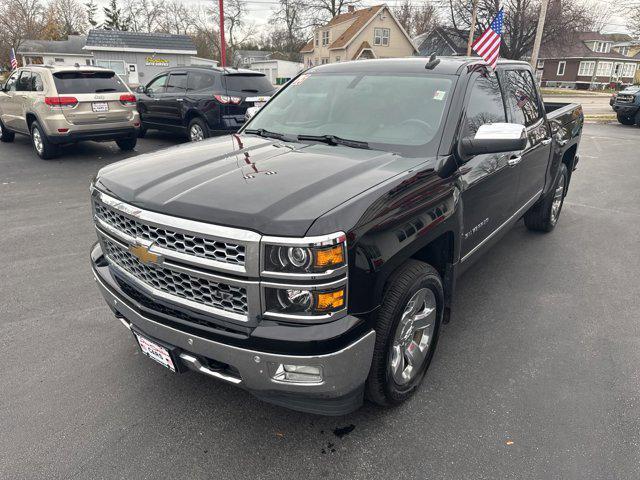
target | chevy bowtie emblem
[{"x": 143, "y": 254}]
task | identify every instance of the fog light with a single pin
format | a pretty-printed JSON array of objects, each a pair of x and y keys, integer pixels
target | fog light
[{"x": 296, "y": 373}]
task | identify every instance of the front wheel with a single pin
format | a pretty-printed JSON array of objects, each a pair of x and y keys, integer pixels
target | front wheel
[
  {"x": 625, "y": 119},
  {"x": 197, "y": 130},
  {"x": 127, "y": 144},
  {"x": 407, "y": 330},
  {"x": 543, "y": 216}
]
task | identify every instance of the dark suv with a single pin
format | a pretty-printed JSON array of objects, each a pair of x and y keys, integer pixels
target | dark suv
[{"x": 201, "y": 101}]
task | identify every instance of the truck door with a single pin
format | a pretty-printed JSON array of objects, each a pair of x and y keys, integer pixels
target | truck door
[
  {"x": 148, "y": 98},
  {"x": 169, "y": 104},
  {"x": 526, "y": 109},
  {"x": 10, "y": 102},
  {"x": 489, "y": 183}
]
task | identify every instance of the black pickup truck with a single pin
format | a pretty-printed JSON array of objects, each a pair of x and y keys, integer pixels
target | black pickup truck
[{"x": 311, "y": 258}]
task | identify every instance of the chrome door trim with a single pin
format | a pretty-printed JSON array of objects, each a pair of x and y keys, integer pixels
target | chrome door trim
[{"x": 517, "y": 214}]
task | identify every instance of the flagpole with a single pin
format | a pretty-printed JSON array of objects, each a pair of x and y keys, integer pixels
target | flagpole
[
  {"x": 538, "y": 40},
  {"x": 472, "y": 29}
]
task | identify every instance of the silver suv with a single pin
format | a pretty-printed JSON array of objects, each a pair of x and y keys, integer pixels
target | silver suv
[{"x": 59, "y": 105}]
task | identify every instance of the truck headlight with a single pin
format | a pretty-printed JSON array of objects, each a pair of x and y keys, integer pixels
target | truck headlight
[
  {"x": 314, "y": 255},
  {"x": 305, "y": 302}
]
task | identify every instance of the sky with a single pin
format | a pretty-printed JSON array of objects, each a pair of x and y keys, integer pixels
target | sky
[{"x": 259, "y": 11}]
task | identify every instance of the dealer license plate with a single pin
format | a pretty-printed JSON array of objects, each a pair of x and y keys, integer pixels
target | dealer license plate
[
  {"x": 258, "y": 104},
  {"x": 156, "y": 352},
  {"x": 99, "y": 107}
]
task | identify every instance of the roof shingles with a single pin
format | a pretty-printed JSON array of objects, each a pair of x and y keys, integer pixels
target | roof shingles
[{"x": 138, "y": 40}]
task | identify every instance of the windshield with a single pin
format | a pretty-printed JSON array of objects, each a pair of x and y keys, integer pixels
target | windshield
[
  {"x": 392, "y": 112},
  {"x": 85, "y": 81}
]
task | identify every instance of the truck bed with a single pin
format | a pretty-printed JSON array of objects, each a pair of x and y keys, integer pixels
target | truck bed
[{"x": 561, "y": 112}]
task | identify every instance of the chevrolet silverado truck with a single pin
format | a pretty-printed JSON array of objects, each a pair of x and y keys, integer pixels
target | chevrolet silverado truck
[
  {"x": 311, "y": 258},
  {"x": 627, "y": 105}
]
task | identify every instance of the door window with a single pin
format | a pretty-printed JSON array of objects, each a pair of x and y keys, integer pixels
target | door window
[
  {"x": 24, "y": 83},
  {"x": 157, "y": 85},
  {"x": 523, "y": 96},
  {"x": 201, "y": 80},
  {"x": 485, "y": 105},
  {"x": 177, "y": 83},
  {"x": 10, "y": 86},
  {"x": 36, "y": 82}
]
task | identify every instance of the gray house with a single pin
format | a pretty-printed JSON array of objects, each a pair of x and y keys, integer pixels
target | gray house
[
  {"x": 55, "y": 52},
  {"x": 138, "y": 57}
]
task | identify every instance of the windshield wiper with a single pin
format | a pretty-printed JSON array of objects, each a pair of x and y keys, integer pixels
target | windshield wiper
[
  {"x": 265, "y": 133},
  {"x": 334, "y": 140}
]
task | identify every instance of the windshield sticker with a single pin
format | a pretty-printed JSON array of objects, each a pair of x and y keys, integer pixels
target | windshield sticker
[
  {"x": 439, "y": 95},
  {"x": 299, "y": 80}
]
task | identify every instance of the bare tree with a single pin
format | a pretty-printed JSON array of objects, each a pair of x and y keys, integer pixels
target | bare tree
[
  {"x": 291, "y": 21},
  {"x": 70, "y": 15},
  {"x": 416, "y": 18},
  {"x": 145, "y": 15},
  {"x": 327, "y": 9},
  {"x": 19, "y": 20},
  {"x": 633, "y": 19}
]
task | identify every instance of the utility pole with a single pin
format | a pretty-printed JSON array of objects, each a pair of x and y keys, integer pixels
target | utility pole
[
  {"x": 223, "y": 46},
  {"x": 472, "y": 29},
  {"x": 538, "y": 40}
]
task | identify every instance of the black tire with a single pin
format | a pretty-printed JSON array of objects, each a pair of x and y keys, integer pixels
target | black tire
[
  {"x": 403, "y": 285},
  {"x": 541, "y": 217},
  {"x": 197, "y": 130},
  {"x": 142, "y": 132},
  {"x": 41, "y": 143},
  {"x": 6, "y": 135},
  {"x": 625, "y": 119},
  {"x": 127, "y": 144}
]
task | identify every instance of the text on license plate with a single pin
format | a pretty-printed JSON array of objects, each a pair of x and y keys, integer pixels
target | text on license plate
[
  {"x": 100, "y": 107},
  {"x": 156, "y": 352},
  {"x": 258, "y": 104}
]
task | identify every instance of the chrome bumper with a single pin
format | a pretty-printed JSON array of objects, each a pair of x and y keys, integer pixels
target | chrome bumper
[{"x": 343, "y": 372}]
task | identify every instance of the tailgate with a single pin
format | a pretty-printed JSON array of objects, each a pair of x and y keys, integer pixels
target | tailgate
[{"x": 101, "y": 97}]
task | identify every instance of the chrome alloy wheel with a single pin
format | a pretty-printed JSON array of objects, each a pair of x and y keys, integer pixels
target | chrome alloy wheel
[
  {"x": 196, "y": 134},
  {"x": 37, "y": 140},
  {"x": 413, "y": 336},
  {"x": 556, "y": 205}
]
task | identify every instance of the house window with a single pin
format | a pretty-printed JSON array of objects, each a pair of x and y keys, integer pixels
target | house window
[
  {"x": 540, "y": 63},
  {"x": 245, "y": 60},
  {"x": 602, "y": 47},
  {"x": 317, "y": 37},
  {"x": 381, "y": 36},
  {"x": 325, "y": 38},
  {"x": 324, "y": 60},
  {"x": 586, "y": 69},
  {"x": 629, "y": 70},
  {"x": 624, "y": 50},
  {"x": 604, "y": 69},
  {"x": 115, "y": 65},
  {"x": 337, "y": 59},
  {"x": 59, "y": 60},
  {"x": 561, "y": 68}
]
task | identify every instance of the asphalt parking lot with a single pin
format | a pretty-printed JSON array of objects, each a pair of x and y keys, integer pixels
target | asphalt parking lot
[{"x": 537, "y": 376}]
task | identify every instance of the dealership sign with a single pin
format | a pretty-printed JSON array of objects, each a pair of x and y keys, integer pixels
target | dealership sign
[{"x": 156, "y": 62}]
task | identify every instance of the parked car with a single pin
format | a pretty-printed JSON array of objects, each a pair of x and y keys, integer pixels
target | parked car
[
  {"x": 61, "y": 105},
  {"x": 201, "y": 101},
  {"x": 311, "y": 258},
  {"x": 627, "y": 105}
]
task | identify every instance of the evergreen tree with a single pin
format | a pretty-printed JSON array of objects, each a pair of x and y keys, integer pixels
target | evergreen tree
[
  {"x": 114, "y": 18},
  {"x": 92, "y": 10}
]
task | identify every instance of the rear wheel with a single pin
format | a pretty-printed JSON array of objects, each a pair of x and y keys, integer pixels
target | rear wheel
[
  {"x": 127, "y": 144},
  {"x": 41, "y": 144},
  {"x": 406, "y": 333},
  {"x": 6, "y": 135},
  {"x": 625, "y": 119},
  {"x": 543, "y": 217},
  {"x": 197, "y": 130}
]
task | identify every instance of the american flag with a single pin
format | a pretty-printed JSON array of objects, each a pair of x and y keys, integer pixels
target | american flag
[
  {"x": 14, "y": 60},
  {"x": 487, "y": 45}
]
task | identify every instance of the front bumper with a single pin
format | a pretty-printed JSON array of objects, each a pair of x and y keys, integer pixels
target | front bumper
[
  {"x": 344, "y": 371},
  {"x": 629, "y": 110}
]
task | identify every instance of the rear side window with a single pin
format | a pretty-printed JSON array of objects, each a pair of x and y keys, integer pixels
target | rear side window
[
  {"x": 24, "y": 82},
  {"x": 248, "y": 83},
  {"x": 87, "y": 82},
  {"x": 525, "y": 106},
  {"x": 201, "y": 80},
  {"x": 177, "y": 83},
  {"x": 36, "y": 82},
  {"x": 485, "y": 105}
]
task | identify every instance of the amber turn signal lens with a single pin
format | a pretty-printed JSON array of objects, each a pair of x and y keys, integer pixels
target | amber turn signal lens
[
  {"x": 330, "y": 300},
  {"x": 328, "y": 257}
]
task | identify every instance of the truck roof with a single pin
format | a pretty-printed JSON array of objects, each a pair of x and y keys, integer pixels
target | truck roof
[{"x": 446, "y": 66}]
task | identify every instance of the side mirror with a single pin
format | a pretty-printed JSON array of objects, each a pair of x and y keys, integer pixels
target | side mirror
[
  {"x": 141, "y": 89},
  {"x": 250, "y": 113},
  {"x": 495, "y": 138}
]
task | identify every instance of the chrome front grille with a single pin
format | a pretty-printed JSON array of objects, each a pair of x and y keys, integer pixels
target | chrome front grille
[
  {"x": 193, "y": 288},
  {"x": 184, "y": 243},
  {"x": 625, "y": 98}
]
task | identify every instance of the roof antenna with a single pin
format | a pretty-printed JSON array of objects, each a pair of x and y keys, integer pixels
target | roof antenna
[{"x": 433, "y": 62}]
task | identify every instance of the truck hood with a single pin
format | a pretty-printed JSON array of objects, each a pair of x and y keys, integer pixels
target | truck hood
[
  {"x": 631, "y": 90},
  {"x": 270, "y": 186}
]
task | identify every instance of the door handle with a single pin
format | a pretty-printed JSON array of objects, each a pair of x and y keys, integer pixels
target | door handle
[
  {"x": 179, "y": 99},
  {"x": 546, "y": 141},
  {"x": 514, "y": 160}
]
